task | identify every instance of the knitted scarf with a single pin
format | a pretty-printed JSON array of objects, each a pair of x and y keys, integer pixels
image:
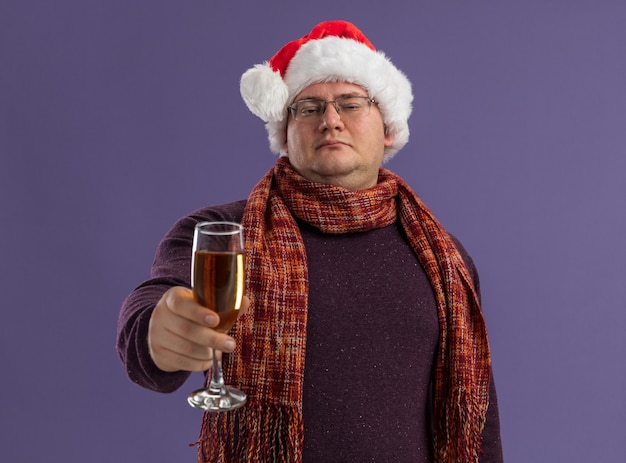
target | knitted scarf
[{"x": 268, "y": 363}]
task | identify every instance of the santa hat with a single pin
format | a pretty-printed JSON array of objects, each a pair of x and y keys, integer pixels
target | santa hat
[{"x": 333, "y": 51}]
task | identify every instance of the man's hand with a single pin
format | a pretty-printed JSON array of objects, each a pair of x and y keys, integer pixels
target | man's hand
[{"x": 181, "y": 334}]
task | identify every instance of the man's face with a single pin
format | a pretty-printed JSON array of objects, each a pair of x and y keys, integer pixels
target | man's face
[{"x": 346, "y": 152}]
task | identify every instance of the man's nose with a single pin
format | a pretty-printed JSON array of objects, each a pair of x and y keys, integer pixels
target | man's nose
[{"x": 331, "y": 117}]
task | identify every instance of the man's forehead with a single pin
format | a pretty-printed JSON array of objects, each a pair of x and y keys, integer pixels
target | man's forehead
[{"x": 331, "y": 90}]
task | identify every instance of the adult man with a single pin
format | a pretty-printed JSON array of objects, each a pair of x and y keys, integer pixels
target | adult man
[{"x": 364, "y": 339}]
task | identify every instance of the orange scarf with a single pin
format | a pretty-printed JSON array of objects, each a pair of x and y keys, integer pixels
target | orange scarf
[{"x": 269, "y": 361}]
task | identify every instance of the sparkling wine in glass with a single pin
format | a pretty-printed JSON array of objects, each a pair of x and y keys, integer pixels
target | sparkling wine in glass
[{"x": 217, "y": 280}]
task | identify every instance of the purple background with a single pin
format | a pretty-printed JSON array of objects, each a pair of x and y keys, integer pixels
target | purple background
[{"x": 118, "y": 117}]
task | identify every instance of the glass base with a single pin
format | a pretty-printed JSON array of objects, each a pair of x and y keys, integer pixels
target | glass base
[{"x": 223, "y": 399}]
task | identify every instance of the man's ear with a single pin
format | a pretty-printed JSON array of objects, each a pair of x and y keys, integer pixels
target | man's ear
[
  {"x": 389, "y": 139},
  {"x": 285, "y": 144}
]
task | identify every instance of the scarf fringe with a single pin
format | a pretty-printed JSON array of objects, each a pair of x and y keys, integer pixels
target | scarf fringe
[
  {"x": 254, "y": 433},
  {"x": 458, "y": 435}
]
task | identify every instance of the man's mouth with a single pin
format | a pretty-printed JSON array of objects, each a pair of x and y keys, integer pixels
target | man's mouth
[{"x": 330, "y": 144}]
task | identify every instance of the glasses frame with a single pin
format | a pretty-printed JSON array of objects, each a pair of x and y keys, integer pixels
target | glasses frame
[{"x": 324, "y": 104}]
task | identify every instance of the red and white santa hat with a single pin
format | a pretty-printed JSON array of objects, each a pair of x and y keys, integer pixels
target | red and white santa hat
[{"x": 332, "y": 51}]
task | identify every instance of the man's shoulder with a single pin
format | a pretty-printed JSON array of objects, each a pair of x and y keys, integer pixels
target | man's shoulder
[
  {"x": 227, "y": 212},
  {"x": 232, "y": 212}
]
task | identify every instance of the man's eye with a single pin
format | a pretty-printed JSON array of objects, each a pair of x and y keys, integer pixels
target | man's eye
[
  {"x": 351, "y": 105},
  {"x": 309, "y": 110}
]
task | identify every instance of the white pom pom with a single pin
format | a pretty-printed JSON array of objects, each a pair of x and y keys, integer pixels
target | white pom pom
[{"x": 264, "y": 92}]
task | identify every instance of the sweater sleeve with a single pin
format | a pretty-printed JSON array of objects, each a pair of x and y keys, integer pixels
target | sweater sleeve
[
  {"x": 171, "y": 267},
  {"x": 492, "y": 444}
]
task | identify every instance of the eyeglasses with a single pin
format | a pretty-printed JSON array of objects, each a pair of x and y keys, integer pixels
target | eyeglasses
[{"x": 312, "y": 109}]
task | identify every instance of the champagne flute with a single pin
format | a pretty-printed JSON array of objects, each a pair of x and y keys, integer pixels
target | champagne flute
[{"x": 217, "y": 281}]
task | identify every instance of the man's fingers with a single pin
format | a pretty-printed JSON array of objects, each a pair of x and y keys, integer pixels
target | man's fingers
[
  {"x": 180, "y": 301},
  {"x": 181, "y": 334},
  {"x": 170, "y": 360}
]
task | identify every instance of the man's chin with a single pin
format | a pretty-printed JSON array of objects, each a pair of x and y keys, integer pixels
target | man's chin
[{"x": 337, "y": 164}]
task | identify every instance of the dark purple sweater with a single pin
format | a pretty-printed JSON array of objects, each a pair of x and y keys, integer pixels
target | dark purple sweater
[{"x": 371, "y": 339}]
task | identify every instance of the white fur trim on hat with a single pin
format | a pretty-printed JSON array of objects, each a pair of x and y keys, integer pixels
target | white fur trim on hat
[{"x": 265, "y": 92}]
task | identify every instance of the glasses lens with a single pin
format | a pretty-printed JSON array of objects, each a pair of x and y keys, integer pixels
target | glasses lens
[
  {"x": 308, "y": 109},
  {"x": 353, "y": 104},
  {"x": 347, "y": 107}
]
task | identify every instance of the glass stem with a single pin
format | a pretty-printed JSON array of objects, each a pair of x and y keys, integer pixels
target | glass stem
[{"x": 217, "y": 379}]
